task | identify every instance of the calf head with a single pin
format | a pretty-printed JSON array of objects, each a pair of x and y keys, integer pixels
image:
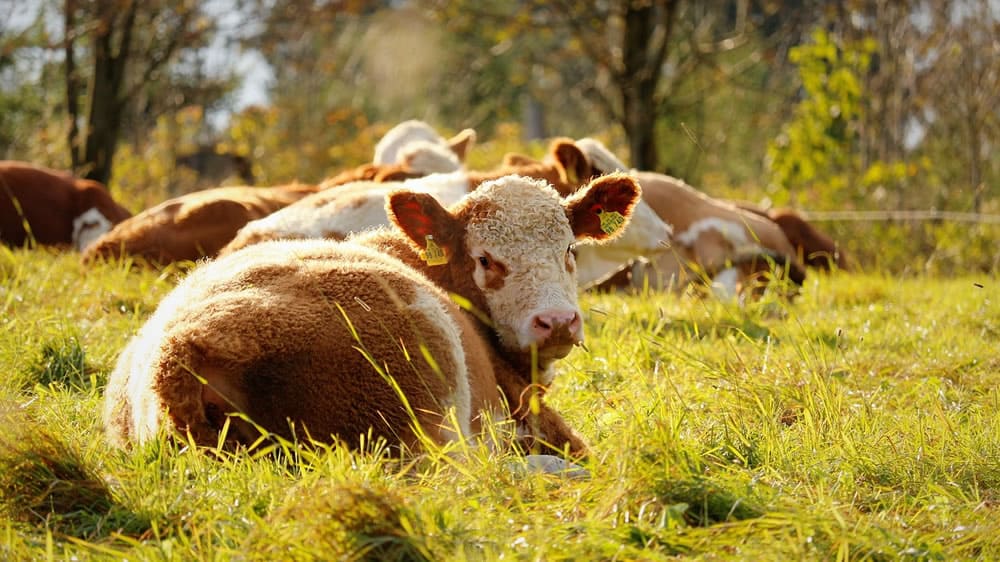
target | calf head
[
  {"x": 507, "y": 248},
  {"x": 565, "y": 166},
  {"x": 95, "y": 212}
]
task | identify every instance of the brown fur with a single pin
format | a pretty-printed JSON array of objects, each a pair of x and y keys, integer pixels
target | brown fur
[
  {"x": 812, "y": 246},
  {"x": 263, "y": 328},
  {"x": 194, "y": 225},
  {"x": 49, "y": 200}
]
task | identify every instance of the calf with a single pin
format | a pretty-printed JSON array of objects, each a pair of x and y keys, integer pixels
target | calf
[
  {"x": 711, "y": 239},
  {"x": 336, "y": 339},
  {"x": 193, "y": 225},
  {"x": 355, "y": 207},
  {"x": 43, "y": 206}
]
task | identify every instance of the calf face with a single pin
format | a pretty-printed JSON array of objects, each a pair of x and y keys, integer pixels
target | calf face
[
  {"x": 96, "y": 211},
  {"x": 507, "y": 248}
]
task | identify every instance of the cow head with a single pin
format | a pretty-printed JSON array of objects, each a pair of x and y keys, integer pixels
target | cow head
[
  {"x": 565, "y": 166},
  {"x": 507, "y": 248},
  {"x": 96, "y": 213}
]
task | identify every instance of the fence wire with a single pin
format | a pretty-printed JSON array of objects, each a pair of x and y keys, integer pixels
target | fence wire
[{"x": 884, "y": 216}]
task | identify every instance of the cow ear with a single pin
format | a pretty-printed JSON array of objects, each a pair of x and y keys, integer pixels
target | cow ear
[
  {"x": 425, "y": 222},
  {"x": 462, "y": 142},
  {"x": 601, "y": 210},
  {"x": 573, "y": 165}
]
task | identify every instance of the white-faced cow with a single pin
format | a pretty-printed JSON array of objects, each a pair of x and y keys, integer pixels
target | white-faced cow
[
  {"x": 342, "y": 338},
  {"x": 48, "y": 207}
]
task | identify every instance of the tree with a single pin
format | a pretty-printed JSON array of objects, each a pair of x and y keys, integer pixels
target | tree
[{"x": 126, "y": 46}]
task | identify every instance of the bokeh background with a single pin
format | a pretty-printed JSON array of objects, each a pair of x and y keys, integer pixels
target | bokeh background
[{"x": 849, "y": 107}]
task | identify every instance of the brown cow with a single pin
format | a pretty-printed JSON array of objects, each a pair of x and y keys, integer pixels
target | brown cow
[
  {"x": 198, "y": 224},
  {"x": 43, "y": 206},
  {"x": 343, "y": 338},
  {"x": 194, "y": 225},
  {"x": 712, "y": 240},
  {"x": 813, "y": 247}
]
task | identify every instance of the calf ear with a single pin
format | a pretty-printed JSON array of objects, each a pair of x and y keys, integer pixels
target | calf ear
[
  {"x": 462, "y": 142},
  {"x": 419, "y": 215},
  {"x": 601, "y": 210},
  {"x": 573, "y": 165}
]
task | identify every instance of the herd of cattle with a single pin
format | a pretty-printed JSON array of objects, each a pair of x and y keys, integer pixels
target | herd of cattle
[{"x": 330, "y": 309}]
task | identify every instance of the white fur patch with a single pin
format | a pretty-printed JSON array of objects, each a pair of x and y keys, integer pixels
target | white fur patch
[
  {"x": 88, "y": 227},
  {"x": 352, "y": 207},
  {"x": 430, "y": 158},
  {"x": 389, "y": 149},
  {"x": 734, "y": 232},
  {"x": 600, "y": 156},
  {"x": 724, "y": 284},
  {"x": 461, "y": 398}
]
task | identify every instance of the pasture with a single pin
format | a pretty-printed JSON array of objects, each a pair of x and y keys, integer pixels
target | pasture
[{"x": 859, "y": 421}]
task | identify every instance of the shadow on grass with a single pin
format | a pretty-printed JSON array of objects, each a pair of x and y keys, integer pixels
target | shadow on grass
[
  {"x": 701, "y": 503},
  {"x": 348, "y": 521},
  {"x": 60, "y": 360},
  {"x": 46, "y": 483}
]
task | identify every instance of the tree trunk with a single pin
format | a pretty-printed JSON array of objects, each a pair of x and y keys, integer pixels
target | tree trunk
[
  {"x": 72, "y": 85},
  {"x": 106, "y": 105},
  {"x": 641, "y": 74}
]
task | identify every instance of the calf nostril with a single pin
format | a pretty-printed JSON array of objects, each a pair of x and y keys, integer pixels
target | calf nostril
[
  {"x": 542, "y": 325},
  {"x": 574, "y": 323}
]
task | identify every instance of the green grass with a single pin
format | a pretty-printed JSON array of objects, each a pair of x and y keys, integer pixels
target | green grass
[{"x": 858, "y": 422}]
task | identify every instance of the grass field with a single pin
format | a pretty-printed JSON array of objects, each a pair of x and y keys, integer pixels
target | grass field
[{"x": 860, "y": 421}]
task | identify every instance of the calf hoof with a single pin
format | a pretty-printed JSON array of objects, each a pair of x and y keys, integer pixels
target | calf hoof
[{"x": 549, "y": 464}]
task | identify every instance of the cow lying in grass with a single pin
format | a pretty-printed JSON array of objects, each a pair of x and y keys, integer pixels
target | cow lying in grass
[
  {"x": 813, "y": 247},
  {"x": 712, "y": 240},
  {"x": 337, "y": 213},
  {"x": 342, "y": 337},
  {"x": 48, "y": 207},
  {"x": 198, "y": 224},
  {"x": 194, "y": 225},
  {"x": 411, "y": 149}
]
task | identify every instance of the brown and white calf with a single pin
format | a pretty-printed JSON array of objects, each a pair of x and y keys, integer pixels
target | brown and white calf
[
  {"x": 350, "y": 208},
  {"x": 336, "y": 339},
  {"x": 53, "y": 208},
  {"x": 713, "y": 240},
  {"x": 194, "y": 225}
]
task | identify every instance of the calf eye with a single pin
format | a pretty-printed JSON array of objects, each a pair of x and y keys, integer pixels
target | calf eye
[{"x": 484, "y": 261}]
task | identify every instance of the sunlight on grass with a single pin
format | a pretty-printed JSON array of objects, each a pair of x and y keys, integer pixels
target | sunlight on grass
[{"x": 858, "y": 421}]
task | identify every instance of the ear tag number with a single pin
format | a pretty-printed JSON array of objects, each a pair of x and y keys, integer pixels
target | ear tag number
[
  {"x": 611, "y": 221},
  {"x": 433, "y": 254}
]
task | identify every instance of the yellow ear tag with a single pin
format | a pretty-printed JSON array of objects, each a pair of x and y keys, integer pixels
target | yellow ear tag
[
  {"x": 433, "y": 254},
  {"x": 611, "y": 221}
]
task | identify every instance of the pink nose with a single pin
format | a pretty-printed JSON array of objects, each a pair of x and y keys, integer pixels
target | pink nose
[{"x": 563, "y": 323}]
